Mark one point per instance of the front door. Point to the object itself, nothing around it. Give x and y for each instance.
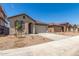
(30, 28)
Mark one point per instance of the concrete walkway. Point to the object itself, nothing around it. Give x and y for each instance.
(53, 36)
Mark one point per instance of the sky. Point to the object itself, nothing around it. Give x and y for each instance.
(45, 12)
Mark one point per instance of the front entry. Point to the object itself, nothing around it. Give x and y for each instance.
(62, 29)
(30, 28)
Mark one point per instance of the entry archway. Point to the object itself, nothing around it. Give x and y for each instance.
(30, 28)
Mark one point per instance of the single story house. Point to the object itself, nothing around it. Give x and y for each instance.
(55, 28)
(67, 27)
(29, 25)
(62, 27)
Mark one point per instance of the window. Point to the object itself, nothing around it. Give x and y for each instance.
(23, 17)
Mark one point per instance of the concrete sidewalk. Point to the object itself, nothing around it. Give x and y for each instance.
(53, 36)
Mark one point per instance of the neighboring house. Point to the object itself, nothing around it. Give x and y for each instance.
(63, 27)
(30, 26)
(67, 27)
(70, 28)
(76, 28)
(55, 28)
(3, 29)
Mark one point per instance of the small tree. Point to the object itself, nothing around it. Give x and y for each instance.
(18, 27)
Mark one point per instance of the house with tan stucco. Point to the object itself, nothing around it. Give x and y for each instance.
(30, 26)
(62, 27)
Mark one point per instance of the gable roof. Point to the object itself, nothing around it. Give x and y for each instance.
(36, 21)
(20, 15)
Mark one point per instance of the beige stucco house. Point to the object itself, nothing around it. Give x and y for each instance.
(30, 26)
(62, 27)
(55, 28)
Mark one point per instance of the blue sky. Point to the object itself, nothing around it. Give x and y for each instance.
(49, 13)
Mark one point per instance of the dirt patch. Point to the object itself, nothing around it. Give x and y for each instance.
(11, 41)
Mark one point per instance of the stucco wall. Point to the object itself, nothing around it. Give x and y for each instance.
(26, 28)
(55, 29)
(2, 22)
(51, 29)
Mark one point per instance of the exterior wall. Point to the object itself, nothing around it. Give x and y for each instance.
(26, 28)
(76, 30)
(2, 22)
(51, 29)
(41, 28)
(71, 29)
(3, 29)
(33, 29)
(55, 29)
(12, 27)
(12, 31)
(65, 28)
(2, 17)
(58, 29)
